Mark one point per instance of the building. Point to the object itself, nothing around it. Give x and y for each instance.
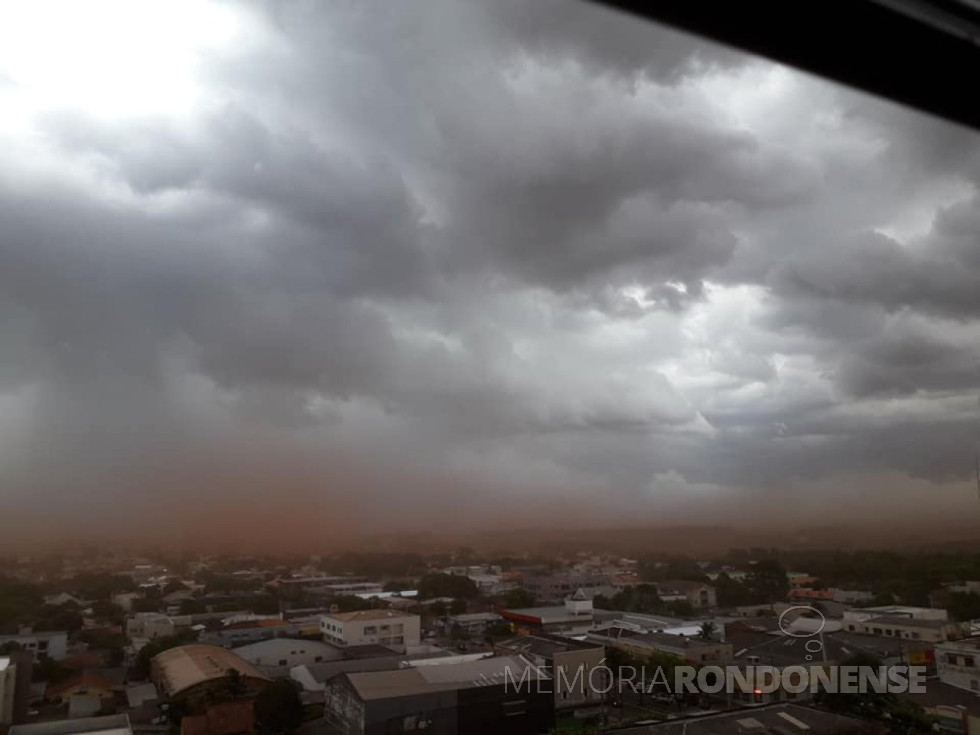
(851, 597)
(958, 663)
(251, 631)
(277, 652)
(954, 710)
(690, 650)
(557, 587)
(778, 718)
(473, 623)
(147, 625)
(569, 663)
(904, 611)
(390, 628)
(53, 645)
(575, 617)
(108, 725)
(698, 594)
(8, 690)
(224, 718)
(901, 626)
(485, 697)
(198, 669)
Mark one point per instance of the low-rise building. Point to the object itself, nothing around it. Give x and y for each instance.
(557, 587)
(148, 625)
(107, 725)
(474, 623)
(278, 652)
(958, 663)
(483, 697)
(389, 628)
(574, 617)
(197, 669)
(913, 629)
(576, 668)
(698, 594)
(52, 645)
(690, 650)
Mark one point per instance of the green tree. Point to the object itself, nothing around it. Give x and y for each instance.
(447, 585)
(708, 630)
(278, 708)
(768, 581)
(517, 598)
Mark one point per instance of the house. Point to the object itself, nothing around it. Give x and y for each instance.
(108, 725)
(199, 669)
(276, 652)
(485, 697)
(574, 617)
(396, 630)
(52, 645)
(698, 594)
(568, 662)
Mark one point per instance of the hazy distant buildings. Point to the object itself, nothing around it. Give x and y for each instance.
(557, 587)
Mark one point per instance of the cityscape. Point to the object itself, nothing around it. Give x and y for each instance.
(489, 367)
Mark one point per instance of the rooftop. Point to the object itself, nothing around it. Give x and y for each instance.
(412, 681)
(780, 718)
(108, 725)
(552, 614)
(358, 615)
(183, 667)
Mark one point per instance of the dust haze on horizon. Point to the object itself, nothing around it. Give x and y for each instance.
(274, 273)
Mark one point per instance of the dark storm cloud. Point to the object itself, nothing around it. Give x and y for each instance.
(531, 246)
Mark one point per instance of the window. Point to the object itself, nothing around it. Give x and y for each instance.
(968, 661)
(318, 659)
(370, 630)
(282, 662)
(515, 708)
(974, 684)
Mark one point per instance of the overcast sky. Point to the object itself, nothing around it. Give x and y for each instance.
(386, 260)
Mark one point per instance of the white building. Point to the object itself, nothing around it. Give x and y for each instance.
(8, 684)
(149, 625)
(905, 611)
(366, 627)
(53, 645)
(277, 652)
(958, 663)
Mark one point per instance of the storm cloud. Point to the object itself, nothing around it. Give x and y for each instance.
(490, 257)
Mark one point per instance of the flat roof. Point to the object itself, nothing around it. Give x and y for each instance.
(553, 614)
(347, 617)
(430, 679)
(107, 725)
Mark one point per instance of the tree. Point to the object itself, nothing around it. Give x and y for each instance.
(457, 607)
(518, 597)
(278, 708)
(708, 629)
(447, 585)
(235, 685)
(768, 581)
